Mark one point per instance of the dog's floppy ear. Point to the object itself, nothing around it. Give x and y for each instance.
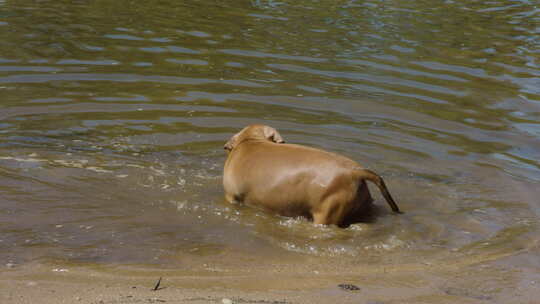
(231, 143)
(273, 135)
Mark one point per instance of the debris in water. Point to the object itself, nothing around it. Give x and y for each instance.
(349, 287)
(157, 285)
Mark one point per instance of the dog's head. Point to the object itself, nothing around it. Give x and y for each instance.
(254, 132)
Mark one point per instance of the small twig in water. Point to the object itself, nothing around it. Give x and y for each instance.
(157, 284)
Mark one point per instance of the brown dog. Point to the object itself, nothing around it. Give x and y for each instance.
(294, 180)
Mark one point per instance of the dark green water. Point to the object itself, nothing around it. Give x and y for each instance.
(113, 115)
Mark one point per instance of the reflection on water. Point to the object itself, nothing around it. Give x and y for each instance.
(113, 116)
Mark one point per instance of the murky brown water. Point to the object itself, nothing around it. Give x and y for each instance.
(113, 115)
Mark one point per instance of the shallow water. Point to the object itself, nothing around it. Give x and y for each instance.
(113, 116)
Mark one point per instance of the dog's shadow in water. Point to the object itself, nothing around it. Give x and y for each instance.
(367, 215)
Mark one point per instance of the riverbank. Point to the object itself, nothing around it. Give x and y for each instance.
(511, 282)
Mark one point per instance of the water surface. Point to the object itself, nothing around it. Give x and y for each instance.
(113, 116)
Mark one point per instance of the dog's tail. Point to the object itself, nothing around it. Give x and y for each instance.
(377, 180)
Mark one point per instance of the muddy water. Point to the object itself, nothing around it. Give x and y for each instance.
(113, 116)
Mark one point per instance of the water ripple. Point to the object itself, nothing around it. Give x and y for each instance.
(36, 78)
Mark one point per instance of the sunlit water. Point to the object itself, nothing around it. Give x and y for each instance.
(113, 116)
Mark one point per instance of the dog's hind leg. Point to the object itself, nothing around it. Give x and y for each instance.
(333, 210)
